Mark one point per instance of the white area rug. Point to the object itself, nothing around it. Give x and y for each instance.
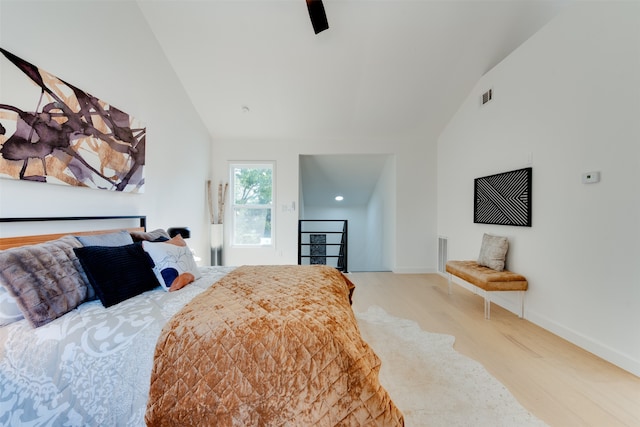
(433, 384)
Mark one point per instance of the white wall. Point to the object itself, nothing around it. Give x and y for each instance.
(569, 101)
(106, 49)
(371, 225)
(357, 244)
(414, 186)
(381, 214)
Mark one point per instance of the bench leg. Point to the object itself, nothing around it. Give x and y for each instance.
(487, 305)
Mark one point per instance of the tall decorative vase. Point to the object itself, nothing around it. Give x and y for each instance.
(217, 243)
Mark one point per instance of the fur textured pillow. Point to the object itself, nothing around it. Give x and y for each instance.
(493, 252)
(45, 279)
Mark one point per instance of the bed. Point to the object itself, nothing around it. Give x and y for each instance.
(241, 346)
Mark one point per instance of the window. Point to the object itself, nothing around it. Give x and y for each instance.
(252, 203)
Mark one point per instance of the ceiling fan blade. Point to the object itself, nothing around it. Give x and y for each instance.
(317, 15)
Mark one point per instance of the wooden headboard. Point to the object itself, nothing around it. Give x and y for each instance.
(12, 242)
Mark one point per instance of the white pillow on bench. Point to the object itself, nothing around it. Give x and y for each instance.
(493, 252)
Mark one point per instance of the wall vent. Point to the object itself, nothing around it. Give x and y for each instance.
(442, 254)
(487, 96)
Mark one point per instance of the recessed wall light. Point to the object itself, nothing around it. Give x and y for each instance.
(339, 198)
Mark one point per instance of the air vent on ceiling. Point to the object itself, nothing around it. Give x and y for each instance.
(487, 96)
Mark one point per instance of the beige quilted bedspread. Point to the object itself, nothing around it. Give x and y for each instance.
(268, 346)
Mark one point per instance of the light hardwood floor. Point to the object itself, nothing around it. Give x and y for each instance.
(555, 380)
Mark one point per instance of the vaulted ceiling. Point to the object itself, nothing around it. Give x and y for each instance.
(384, 68)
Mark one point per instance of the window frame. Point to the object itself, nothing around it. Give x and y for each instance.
(252, 164)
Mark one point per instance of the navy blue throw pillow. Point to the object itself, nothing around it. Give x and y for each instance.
(117, 273)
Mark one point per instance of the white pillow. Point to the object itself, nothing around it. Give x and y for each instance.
(9, 310)
(493, 252)
(171, 261)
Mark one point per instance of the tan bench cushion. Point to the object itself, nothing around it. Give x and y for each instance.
(486, 278)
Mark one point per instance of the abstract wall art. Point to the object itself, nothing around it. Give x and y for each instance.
(318, 248)
(504, 198)
(53, 132)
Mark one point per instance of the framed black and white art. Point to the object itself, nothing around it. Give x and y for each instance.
(504, 198)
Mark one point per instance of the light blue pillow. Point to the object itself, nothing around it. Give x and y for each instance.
(119, 238)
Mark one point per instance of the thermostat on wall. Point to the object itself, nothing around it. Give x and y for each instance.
(590, 177)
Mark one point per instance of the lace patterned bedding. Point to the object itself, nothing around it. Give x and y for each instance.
(91, 366)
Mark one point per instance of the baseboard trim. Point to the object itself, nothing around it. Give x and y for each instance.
(621, 360)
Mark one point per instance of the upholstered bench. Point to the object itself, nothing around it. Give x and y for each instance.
(489, 279)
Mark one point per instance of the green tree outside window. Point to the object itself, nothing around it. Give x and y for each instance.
(252, 204)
